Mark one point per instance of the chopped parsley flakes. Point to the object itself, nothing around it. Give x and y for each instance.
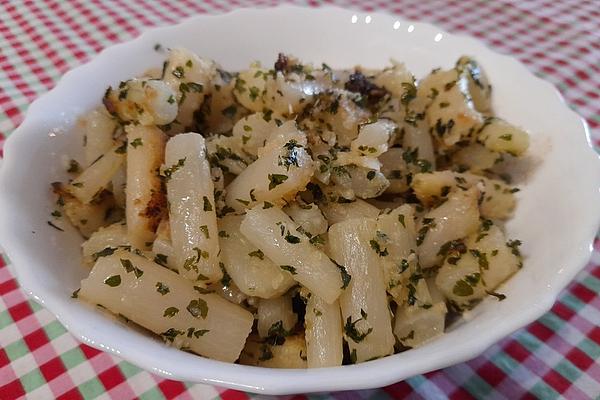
(207, 206)
(136, 143)
(113, 281)
(289, 268)
(168, 173)
(162, 288)
(351, 330)
(276, 180)
(198, 308)
(257, 253)
(170, 312)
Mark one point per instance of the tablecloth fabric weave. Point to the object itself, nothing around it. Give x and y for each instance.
(557, 356)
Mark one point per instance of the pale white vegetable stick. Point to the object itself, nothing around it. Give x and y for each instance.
(456, 218)
(253, 273)
(498, 200)
(500, 136)
(142, 101)
(395, 78)
(192, 212)
(338, 212)
(347, 118)
(398, 237)
(451, 113)
(323, 333)
(88, 218)
(430, 187)
(479, 85)
(373, 138)
(461, 281)
(250, 86)
(488, 262)
(275, 316)
(308, 216)
(97, 176)
(165, 303)
(276, 235)
(288, 95)
(98, 127)
(415, 326)
(502, 262)
(112, 236)
(226, 152)
(364, 305)
(353, 159)
(476, 157)
(418, 138)
(189, 77)
(282, 169)
(144, 199)
(253, 131)
(356, 181)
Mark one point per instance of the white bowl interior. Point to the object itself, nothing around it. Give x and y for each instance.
(557, 215)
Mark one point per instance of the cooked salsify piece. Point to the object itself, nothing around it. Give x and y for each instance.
(276, 316)
(168, 304)
(454, 219)
(192, 210)
(367, 323)
(97, 176)
(189, 77)
(142, 101)
(294, 216)
(323, 333)
(100, 127)
(278, 237)
(253, 272)
(145, 200)
(282, 169)
(396, 234)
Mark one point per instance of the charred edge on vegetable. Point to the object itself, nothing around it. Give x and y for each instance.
(358, 83)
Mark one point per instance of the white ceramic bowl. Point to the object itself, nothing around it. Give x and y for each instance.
(557, 215)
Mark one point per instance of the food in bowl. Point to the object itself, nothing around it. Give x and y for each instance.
(293, 216)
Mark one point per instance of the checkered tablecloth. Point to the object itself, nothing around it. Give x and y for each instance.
(558, 355)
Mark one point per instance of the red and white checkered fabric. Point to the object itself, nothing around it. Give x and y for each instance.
(556, 356)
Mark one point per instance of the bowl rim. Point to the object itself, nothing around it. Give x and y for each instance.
(277, 381)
